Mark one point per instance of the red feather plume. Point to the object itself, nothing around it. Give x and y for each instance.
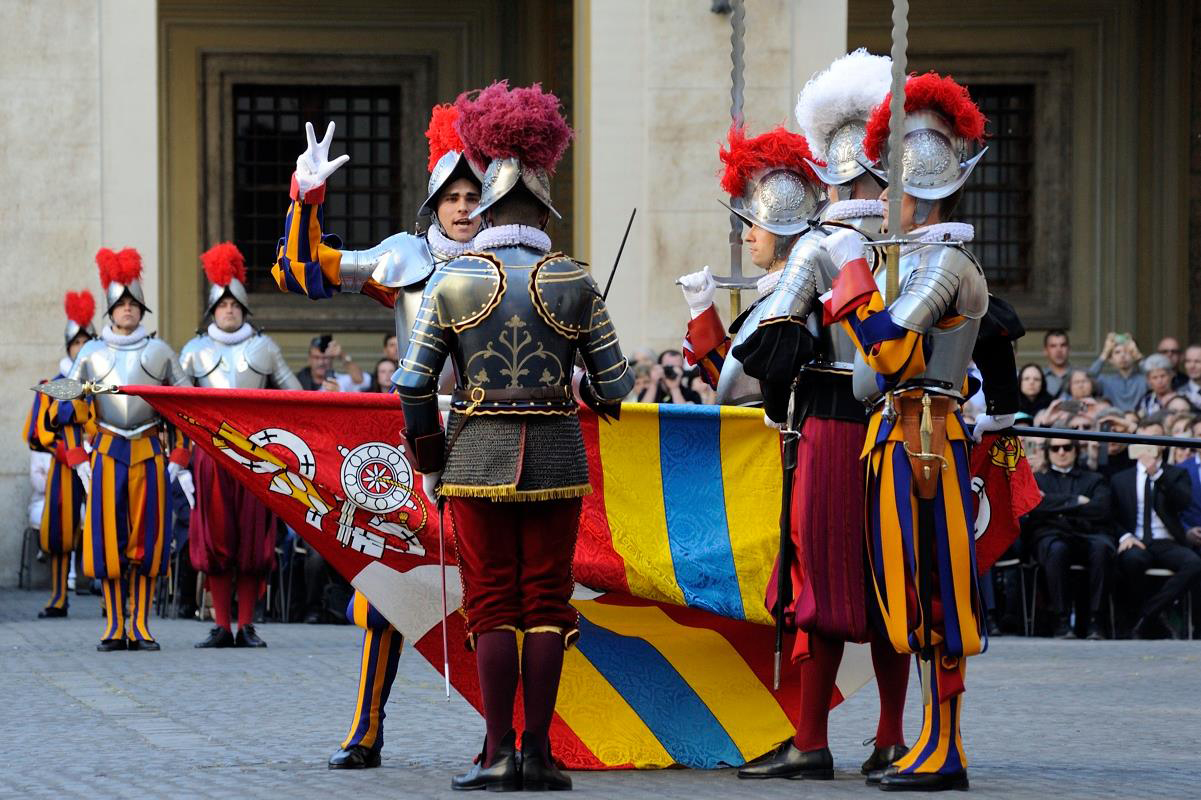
(776, 149)
(224, 262)
(121, 267)
(524, 123)
(929, 91)
(442, 134)
(80, 307)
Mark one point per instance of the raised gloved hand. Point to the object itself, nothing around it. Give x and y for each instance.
(313, 166)
(429, 482)
(843, 247)
(177, 474)
(84, 471)
(987, 423)
(698, 288)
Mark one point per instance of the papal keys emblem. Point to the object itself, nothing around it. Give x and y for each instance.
(376, 477)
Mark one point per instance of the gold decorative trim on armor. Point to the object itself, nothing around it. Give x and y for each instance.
(512, 411)
(508, 492)
(540, 279)
(466, 280)
(518, 344)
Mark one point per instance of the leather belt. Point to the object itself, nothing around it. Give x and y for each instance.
(512, 395)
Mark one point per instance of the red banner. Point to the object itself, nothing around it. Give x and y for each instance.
(1005, 490)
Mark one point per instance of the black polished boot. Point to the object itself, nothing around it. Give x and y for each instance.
(539, 773)
(149, 645)
(218, 637)
(502, 775)
(109, 645)
(354, 757)
(248, 638)
(923, 781)
(880, 760)
(52, 613)
(786, 761)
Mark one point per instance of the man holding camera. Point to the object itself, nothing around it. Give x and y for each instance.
(669, 380)
(1148, 501)
(1128, 386)
(324, 353)
(1068, 527)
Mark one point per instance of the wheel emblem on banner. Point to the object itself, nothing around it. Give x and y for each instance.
(376, 477)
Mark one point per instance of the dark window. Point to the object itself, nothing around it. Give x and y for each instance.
(364, 197)
(998, 197)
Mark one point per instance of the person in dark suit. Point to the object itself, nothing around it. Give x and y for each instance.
(1069, 526)
(1191, 516)
(1148, 501)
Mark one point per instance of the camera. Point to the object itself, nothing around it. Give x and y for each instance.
(670, 372)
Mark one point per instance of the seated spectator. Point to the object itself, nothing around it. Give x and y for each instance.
(1159, 372)
(1191, 516)
(1181, 427)
(390, 348)
(324, 353)
(1112, 458)
(670, 380)
(1123, 387)
(1058, 351)
(1191, 388)
(381, 376)
(1070, 526)
(1148, 501)
(1169, 348)
(1032, 385)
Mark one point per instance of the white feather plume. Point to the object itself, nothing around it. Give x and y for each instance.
(847, 89)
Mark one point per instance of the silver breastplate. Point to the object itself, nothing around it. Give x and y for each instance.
(214, 365)
(148, 362)
(735, 387)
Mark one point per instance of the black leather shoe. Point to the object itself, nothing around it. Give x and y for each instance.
(52, 613)
(1063, 629)
(218, 637)
(248, 638)
(502, 775)
(1094, 633)
(880, 760)
(149, 646)
(541, 774)
(786, 761)
(924, 782)
(109, 645)
(354, 757)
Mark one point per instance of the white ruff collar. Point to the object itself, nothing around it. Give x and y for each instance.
(853, 209)
(509, 235)
(120, 340)
(443, 247)
(940, 232)
(767, 282)
(64, 365)
(240, 335)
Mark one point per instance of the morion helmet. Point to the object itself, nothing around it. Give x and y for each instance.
(833, 110)
(447, 162)
(121, 274)
(942, 126)
(80, 307)
(226, 270)
(770, 181)
(520, 134)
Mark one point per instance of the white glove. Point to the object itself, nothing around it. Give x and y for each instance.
(84, 471)
(177, 474)
(699, 288)
(313, 166)
(771, 423)
(843, 247)
(986, 423)
(429, 482)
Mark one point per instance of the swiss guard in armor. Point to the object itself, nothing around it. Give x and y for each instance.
(232, 536)
(792, 351)
(58, 535)
(134, 457)
(776, 193)
(513, 317)
(394, 273)
(911, 368)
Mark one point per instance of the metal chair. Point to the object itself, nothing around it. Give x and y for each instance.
(29, 551)
(1011, 563)
(1187, 597)
(1077, 568)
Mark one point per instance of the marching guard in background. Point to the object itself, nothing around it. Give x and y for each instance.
(399, 267)
(792, 352)
(232, 536)
(128, 472)
(912, 369)
(513, 316)
(58, 534)
(776, 192)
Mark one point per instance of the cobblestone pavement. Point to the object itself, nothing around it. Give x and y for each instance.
(1042, 719)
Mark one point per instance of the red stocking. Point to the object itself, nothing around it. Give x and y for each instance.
(817, 688)
(222, 589)
(248, 595)
(892, 679)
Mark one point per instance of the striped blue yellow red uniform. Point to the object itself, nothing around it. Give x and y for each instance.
(895, 536)
(706, 345)
(381, 655)
(59, 531)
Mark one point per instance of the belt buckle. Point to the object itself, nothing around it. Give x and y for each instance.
(476, 396)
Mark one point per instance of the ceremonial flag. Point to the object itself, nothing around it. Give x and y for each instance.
(1004, 489)
(677, 540)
